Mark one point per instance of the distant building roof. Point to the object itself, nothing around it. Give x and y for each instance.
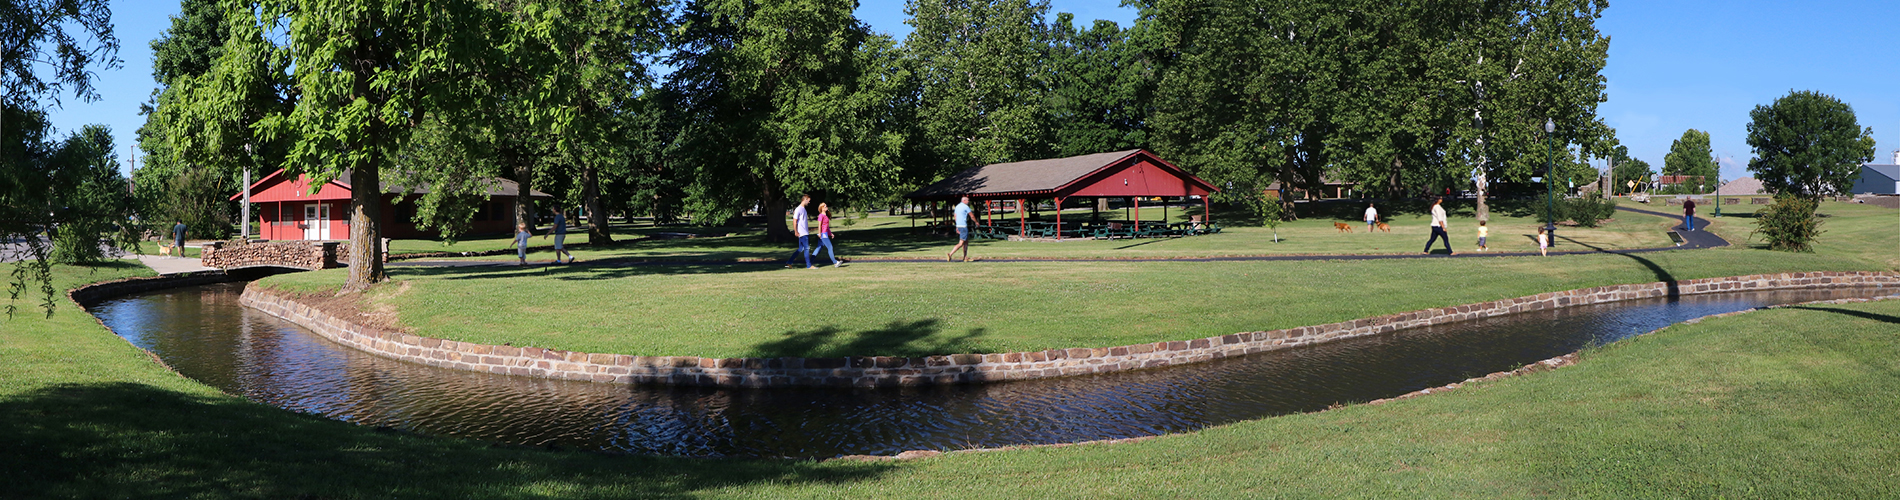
(1891, 171)
(500, 187)
(1141, 174)
(1742, 186)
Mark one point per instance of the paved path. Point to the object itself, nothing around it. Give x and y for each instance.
(172, 265)
(1691, 240)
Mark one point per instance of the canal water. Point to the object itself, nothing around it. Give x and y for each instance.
(204, 334)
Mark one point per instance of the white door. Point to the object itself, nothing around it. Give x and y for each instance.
(323, 221)
(310, 223)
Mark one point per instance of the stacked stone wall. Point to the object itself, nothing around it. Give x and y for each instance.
(298, 254)
(882, 371)
(89, 295)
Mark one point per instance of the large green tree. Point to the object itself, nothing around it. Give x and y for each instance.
(367, 74)
(49, 48)
(783, 98)
(1692, 156)
(981, 69)
(1099, 85)
(1808, 144)
(1395, 96)
(219, 78)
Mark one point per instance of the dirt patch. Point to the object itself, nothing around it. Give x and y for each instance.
(354, 305)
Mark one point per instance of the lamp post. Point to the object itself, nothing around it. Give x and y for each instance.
(1550, 203)
(244, 226)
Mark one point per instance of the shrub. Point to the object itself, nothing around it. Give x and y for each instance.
(1789, 224)
(77, 243)
(1584, 210)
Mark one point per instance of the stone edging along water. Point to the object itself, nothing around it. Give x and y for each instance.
(883, 371)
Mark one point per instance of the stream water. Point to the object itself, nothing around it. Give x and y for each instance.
(204, 334)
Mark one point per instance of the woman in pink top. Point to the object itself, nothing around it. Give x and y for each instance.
(824, 236)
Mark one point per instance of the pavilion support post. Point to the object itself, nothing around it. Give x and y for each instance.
(1137, 214)
(1058, 219)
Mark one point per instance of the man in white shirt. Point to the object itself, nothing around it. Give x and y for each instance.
(801, 225)
(1372, 218)
(963, 217)
(1438, 227)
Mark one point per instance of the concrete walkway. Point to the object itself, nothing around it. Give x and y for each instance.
(1692, 240)
(172, 265)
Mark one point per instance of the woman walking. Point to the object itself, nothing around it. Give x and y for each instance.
(824, 235)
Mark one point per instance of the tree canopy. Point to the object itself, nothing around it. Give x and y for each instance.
(1692, 156)
(1808, 144)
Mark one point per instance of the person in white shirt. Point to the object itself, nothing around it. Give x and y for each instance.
(1438, 227)
(964, 218)
(801, 225)
(1372, 218)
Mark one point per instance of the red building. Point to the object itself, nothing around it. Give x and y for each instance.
(1134, 174)
(287, 209)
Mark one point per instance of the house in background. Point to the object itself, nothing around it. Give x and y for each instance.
(1879, 179)
(287, 209)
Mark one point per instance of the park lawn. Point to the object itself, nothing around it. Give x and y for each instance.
(913, 309)
(1785, 403)
(1314, 234)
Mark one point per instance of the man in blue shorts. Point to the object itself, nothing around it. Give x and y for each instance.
(560, 236)
(963, 217)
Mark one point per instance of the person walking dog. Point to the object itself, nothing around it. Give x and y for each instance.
(178, 238)
(1372, 218)
(1438, 227)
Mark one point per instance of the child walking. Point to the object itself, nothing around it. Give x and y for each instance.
(1482, 233)
(521, 244)
(824, 236)
(1543, 242)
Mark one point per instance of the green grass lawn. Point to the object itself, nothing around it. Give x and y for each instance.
(911, 309)
(1786, 403)
(883, 236)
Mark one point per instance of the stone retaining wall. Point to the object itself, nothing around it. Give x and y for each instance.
(881, 371)
(311, 255)
(87, 296)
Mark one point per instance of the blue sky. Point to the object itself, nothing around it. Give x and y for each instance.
(1674, 65)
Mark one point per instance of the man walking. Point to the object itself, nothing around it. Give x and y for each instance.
(963, 217)
(1688, 213)
(1372, 218)
(178, 238)
(801, 223)
(560, 236)
(1438, 227)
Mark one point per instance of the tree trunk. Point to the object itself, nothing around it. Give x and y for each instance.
(773, 207)
(366, 233)
(523, 176)
(597, 230)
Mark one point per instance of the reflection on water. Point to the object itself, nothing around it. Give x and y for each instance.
(205, 334)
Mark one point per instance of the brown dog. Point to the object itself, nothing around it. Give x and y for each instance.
(1386, 228)
(1342, 227)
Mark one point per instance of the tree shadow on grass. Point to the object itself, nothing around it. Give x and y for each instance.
(922, 337)
(1663, 275)
(1858, 314)
(124, 440)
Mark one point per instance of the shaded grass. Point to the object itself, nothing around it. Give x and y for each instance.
(911, 309)
(1787, 403)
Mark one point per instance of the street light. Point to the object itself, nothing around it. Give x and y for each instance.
(1550, 203)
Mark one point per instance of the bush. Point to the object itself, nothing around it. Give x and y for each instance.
(1585, 210)
(1789, 224)
(77, 243)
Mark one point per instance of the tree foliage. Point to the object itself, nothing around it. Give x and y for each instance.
(783, 98)
(1691, 156)
(981, 75)
(1808, 144)
(1389, 95)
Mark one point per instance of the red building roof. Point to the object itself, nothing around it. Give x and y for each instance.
(1136, 172)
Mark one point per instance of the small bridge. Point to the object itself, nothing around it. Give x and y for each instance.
(305, 255)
